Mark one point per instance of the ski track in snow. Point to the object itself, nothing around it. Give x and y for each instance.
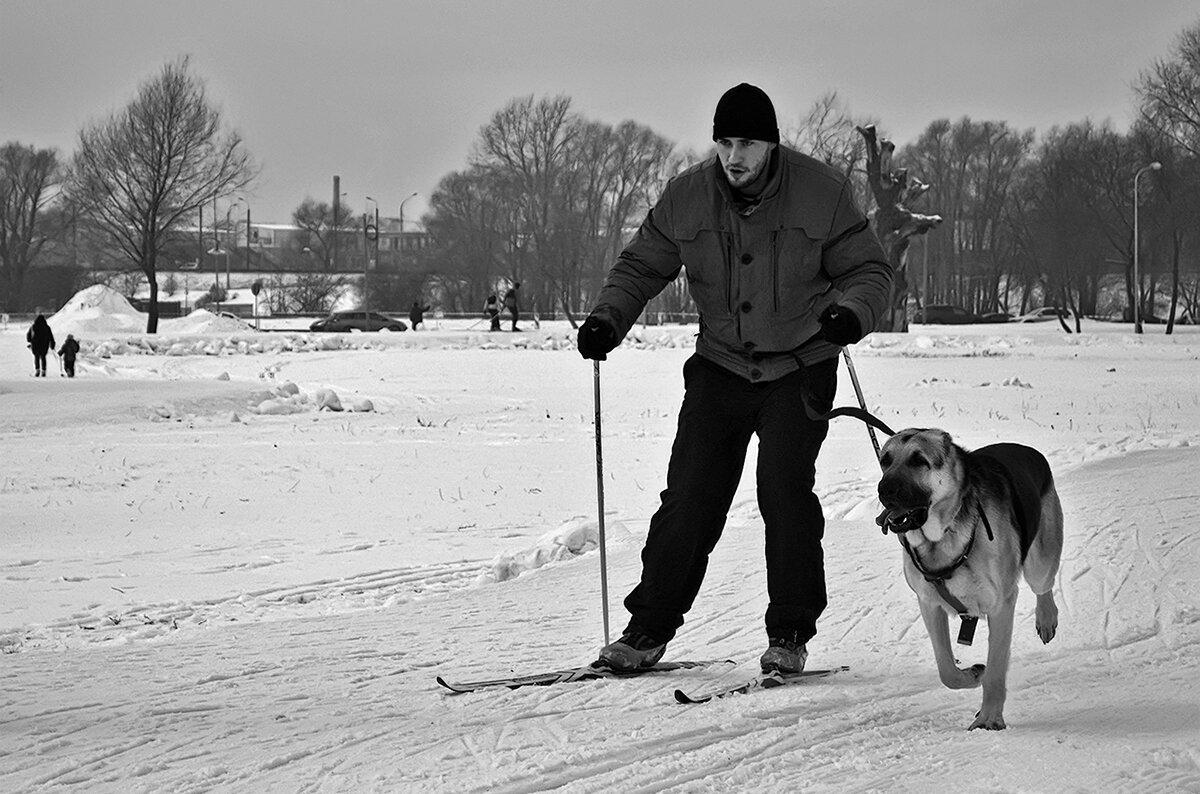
(325, 568)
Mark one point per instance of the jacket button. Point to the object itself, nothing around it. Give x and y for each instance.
(755, 374)
(745, 307)
(747, 258)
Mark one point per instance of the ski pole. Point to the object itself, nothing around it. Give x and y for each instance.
(600, 498)
(858, 392)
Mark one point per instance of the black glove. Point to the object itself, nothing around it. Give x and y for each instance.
(840, 326)
(596, 338)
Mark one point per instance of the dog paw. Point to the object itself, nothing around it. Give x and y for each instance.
(990, 723)
(1045, 617)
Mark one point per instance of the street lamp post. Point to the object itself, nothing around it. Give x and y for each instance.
(1137, 279)
(247, 238)
(400, 243)
(230, 224)
(370, 235)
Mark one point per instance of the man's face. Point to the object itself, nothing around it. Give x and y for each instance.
(743, 159)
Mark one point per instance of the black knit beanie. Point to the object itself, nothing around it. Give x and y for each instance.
(745, 111)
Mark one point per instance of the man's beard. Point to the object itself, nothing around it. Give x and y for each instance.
(741, 177)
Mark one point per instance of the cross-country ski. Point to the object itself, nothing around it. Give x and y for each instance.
(765, 680)
(589, 672)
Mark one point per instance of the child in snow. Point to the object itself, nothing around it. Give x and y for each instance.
(68, 352)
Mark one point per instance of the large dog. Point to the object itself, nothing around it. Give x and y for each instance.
(970, 524)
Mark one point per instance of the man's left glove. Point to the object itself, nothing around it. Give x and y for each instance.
(597, 338)
(840, 326)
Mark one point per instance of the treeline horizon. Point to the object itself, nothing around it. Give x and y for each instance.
(548, 198)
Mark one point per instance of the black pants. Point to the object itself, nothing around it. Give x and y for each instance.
(720, 412)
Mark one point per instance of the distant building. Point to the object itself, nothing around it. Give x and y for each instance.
(283, 248)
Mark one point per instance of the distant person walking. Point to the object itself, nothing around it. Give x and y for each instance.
(491, 310)
(68, 352)
(416, 315)
(512, 304)
(41, 341)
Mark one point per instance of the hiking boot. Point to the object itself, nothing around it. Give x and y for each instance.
(633, 651)
(784, 655)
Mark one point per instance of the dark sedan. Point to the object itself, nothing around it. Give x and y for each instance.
(358, 321)
(944, 314)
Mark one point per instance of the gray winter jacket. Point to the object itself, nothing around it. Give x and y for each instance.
(759, 278)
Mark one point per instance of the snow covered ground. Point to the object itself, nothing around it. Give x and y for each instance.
(211, 581)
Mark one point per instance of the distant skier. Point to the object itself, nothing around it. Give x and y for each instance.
(512, 304)
(41, 341)
(491, 310)
(68, 352)
(416, 314)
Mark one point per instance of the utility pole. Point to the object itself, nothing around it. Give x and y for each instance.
(400, 246)
(337, 211)
(247, 237)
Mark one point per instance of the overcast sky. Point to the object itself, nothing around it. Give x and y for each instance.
(391, 95)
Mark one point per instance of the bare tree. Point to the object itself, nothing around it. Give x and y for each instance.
(318, 227)
(26, 178)
(1170, 92)
(827, 132)
(306, 292)
(529, 143)
(895, 224)
(467, 213)
(148, 169)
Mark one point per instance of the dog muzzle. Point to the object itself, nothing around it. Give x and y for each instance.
(901, 520)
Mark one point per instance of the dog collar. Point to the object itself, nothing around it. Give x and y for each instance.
(968, 622)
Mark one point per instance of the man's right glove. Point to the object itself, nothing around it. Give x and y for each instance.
(840, 326)
(597, 338)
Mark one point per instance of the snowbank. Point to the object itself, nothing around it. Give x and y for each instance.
(97, 310)
(573, 539)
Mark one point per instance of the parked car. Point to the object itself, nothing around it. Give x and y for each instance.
(995, 317)
(231, 316)
(944, 314)
(358, 321)
(1042, 315)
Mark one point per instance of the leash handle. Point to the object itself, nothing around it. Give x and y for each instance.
(600, 499)
(861, 402)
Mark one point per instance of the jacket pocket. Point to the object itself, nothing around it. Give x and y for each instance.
(705, 252)
(797, 280)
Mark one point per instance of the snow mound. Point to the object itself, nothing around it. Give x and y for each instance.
(97, 310)
(576, 537)
(202, 321)
(288, 398)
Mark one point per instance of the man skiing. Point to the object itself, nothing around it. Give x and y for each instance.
(512, 304)
(784, 270)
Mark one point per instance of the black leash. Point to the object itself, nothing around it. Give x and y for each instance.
(861, 414)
